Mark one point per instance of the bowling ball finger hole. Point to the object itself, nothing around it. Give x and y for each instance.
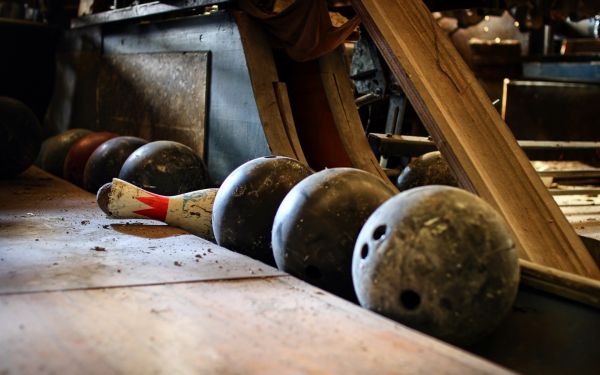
(312, 272)
(410, 299)
(364, 251)
(379, 232)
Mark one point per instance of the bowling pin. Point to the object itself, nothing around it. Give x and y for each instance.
(190, 211)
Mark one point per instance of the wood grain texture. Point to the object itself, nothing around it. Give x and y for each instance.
(273, 111)
(54, 237)
(285, 108)
(268, 326)
(470, 133)
(336, 82)
(559, 283)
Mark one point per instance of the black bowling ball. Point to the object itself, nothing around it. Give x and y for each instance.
(438, 259)
(247, 201)
(20, 137)
(428, 169)
(317, 223)
(106, 161)
(166, 168)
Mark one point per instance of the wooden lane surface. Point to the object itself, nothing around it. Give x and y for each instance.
(50, 228)
(470, 133)
(254, 326)
(221, 315)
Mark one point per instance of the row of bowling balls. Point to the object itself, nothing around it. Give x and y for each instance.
(436, 258)
(91, 159)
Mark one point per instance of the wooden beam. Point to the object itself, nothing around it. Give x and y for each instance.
(336, 82)
(407, 145)
(470, 133)
(271, 100)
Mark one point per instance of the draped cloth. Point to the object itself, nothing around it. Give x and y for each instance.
(303, 29)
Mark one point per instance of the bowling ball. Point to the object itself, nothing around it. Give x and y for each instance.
(438, 259)
(247, 201)
(166, 168)
(55, 149)
(106, 161)
(317, 223)
(428, 169)
(20, 137)
(79, 154)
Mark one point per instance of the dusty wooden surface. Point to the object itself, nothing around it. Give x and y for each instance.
(54, 237)
(470, 133)
(66, 308)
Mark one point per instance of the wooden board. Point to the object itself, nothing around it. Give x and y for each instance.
(155, 96)
(336, 82)
(50, 228)
(270, 326)
(470, 133)
(271, 95)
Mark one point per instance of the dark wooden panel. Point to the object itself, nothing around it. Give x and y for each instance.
(547, 110)
(155, 96)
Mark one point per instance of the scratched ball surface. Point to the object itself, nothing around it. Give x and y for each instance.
(428, 169)
(438, 259)
(106, 161)
(79, 154)
(55, 149)
(247, 201)
(20, 137)
(318, 221)
(166, 168)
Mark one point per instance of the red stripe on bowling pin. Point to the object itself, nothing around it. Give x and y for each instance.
(159, 205)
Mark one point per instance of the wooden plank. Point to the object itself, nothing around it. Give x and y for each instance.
(155, 96)
(256, 326)
(470, 133)
(564, 284)
(54, 237)
(336, 82)
(283, 101)
(272, 109)
(401, 145)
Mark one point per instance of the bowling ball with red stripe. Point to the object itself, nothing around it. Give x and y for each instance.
(55, 149)
(106, 161)
(79, 154)
(166, 168)
(247, 201)
(20, 137)
(318, 222)
(438, 259)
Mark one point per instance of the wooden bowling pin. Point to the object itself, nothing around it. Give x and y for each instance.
(190, 211)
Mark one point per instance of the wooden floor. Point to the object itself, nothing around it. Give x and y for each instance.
(80, 293)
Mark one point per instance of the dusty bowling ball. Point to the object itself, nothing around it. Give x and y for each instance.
(166, 168)
(428, 169)
(55, 149)
(438, 259)
(20, 137)
(247, 201)
(106, 161)
(79, 154)
(317, 223)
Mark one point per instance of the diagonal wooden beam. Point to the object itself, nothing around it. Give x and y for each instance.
(470, 133)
